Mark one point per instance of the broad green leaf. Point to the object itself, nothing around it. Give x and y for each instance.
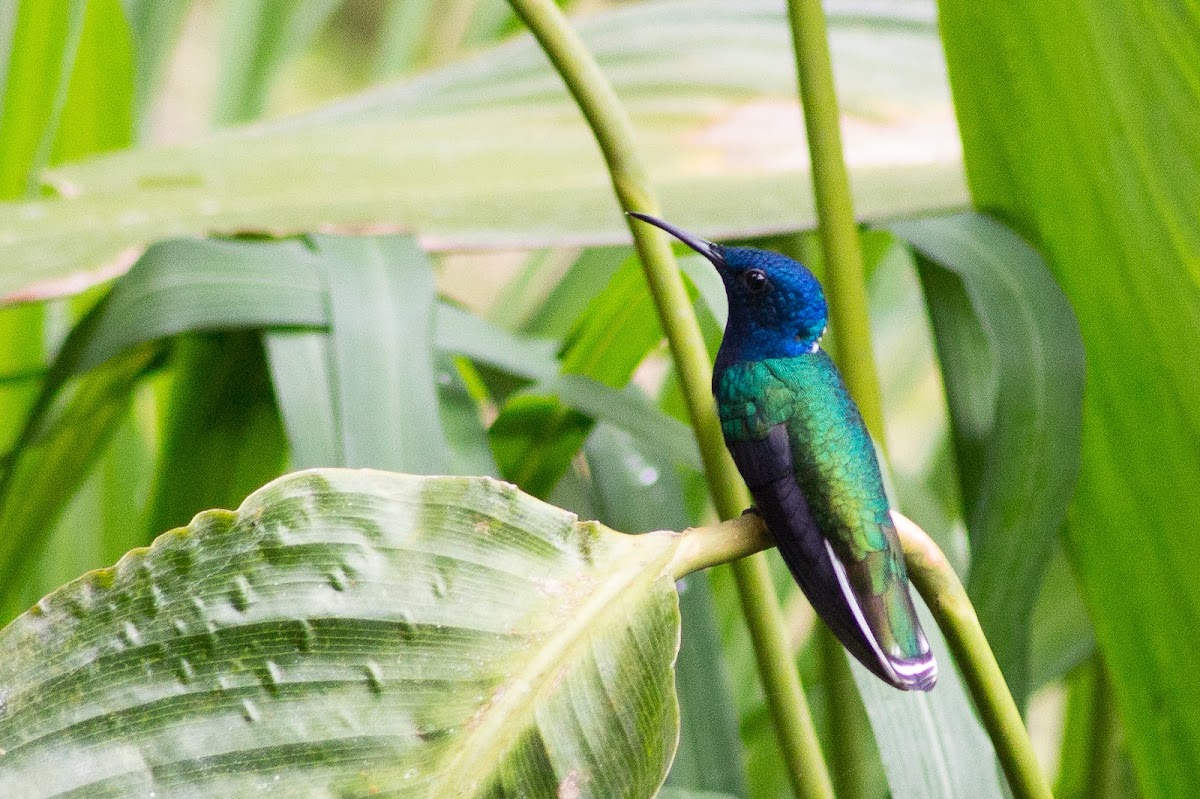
(257, 39)
(1013, 364)
(353, 634)
(449, 155)
(1092, 161)
(222, 437)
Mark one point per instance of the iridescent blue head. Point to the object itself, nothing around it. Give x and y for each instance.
(776, 306)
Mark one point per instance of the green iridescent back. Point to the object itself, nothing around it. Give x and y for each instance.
(836, 468)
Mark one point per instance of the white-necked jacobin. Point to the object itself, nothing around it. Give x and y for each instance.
(800, 443)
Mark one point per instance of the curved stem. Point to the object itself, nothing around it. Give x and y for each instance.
(760, 606)
(935, 578)
(938, 583)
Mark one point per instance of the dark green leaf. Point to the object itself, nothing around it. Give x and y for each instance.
(221, 432)
(1013, 365)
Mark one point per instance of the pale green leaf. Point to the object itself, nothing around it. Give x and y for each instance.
(257, 40)
(353, 634)
(381, 315)
(449, 155)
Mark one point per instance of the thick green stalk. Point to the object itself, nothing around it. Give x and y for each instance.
(1104, 762)
(938, 583)
(846, 286)
(848, 730)
(846, 289)
(614, 133)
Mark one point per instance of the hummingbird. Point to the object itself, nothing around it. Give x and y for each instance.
(800, 444)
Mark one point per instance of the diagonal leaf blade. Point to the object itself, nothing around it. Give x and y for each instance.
(1082, 142)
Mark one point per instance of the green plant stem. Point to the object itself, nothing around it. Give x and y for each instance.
(847, 289)
(1103, 772)
(937, 582)
(848, 316)
(848, 731)
(614, 133)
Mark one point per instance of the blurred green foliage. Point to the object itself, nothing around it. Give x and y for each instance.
(216, 364)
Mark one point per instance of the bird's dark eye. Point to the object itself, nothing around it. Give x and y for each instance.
(755, 281)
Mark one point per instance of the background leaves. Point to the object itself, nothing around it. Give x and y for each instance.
(1099, 182)
(1090, 162)
(448, 154)
(1012, 360)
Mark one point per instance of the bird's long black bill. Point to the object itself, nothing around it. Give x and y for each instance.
(706, 248)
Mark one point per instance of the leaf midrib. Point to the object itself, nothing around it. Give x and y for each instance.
(482, 751)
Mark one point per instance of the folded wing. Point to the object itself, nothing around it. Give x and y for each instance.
(867, 618)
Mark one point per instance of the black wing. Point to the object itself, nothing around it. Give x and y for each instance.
(767, 467)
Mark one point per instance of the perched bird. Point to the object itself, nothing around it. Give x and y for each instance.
(802, 448)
